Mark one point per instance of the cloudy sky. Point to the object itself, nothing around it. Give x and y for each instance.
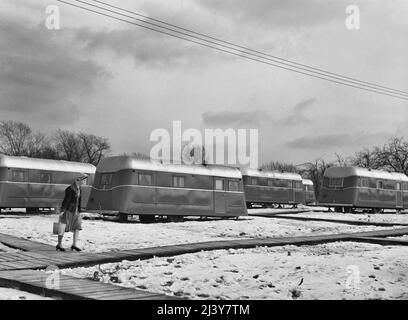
(120, 81)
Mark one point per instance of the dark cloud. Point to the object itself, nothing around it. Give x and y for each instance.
(43, 73)
(336, 140)
(235, 119)
(279, 13)
(298, 114)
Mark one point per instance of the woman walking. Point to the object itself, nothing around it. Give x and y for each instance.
(71, 217)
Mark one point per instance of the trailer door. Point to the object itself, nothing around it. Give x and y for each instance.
(219, 196)
(398, 195)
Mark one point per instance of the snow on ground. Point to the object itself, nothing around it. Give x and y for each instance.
(368, 217)
(100, 235)
(341, 270)
(13, 294)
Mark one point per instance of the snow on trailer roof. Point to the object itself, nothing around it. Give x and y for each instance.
(341, 172)
(46, 164)
(113, 164)
(271, 174)
(307, 182)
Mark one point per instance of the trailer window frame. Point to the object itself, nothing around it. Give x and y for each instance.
(179, 181)
(235, 183)
(141, 179)
(380, 184)
(45, 173)
(106, 179)
(253, 181)
(336, 183)
(365, 183)
(14, 172)
(217, 186)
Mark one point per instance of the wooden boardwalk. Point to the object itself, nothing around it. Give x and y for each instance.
(56, 285)
(41, 259)
(20, 269)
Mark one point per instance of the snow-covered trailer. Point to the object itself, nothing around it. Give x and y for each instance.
(131, 186)
(309, 192)
(348, 188)
(33, 183)
(269, 187)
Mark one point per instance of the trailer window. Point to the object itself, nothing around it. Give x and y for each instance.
(398, 186)
(298, 184)
(232, 185)
(178, 182)
(336, 183)
(380, 184)
(18, 175)
(254, 181)
(270, 183)
(45, 177)
(405, 186)
(364, 183)
(106, 179)
(145, 179)
(219, 184)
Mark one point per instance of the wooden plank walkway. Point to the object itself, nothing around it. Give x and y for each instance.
(42, 259)
(351, 222)
(24, 244)
(56, 285)
(17, 268)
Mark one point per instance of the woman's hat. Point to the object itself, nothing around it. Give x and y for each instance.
(82, 176)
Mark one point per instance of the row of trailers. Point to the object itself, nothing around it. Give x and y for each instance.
(131, 186)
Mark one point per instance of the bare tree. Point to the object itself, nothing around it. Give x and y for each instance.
(68, 146)
(393, 155)
(279, 166)
(94, 147)
(366, 158)
(15, 138)
(315, 171)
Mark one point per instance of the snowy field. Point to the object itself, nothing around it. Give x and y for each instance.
(99, 235)
(341, 270)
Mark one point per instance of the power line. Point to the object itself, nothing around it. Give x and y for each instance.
(339, 77)
(245, 48)
(239, 54)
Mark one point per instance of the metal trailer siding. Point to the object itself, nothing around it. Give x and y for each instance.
(265, 193)
(31, 192)
(369, 196)
(124, 194)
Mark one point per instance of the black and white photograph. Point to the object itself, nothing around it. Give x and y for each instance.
(215, 152)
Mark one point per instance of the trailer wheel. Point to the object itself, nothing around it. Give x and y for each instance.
(398, 211)
(123, 217)
(347, 210)
(338, 209)
(32, 210)
(175, 218)
(147, 218)
(376, 210)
